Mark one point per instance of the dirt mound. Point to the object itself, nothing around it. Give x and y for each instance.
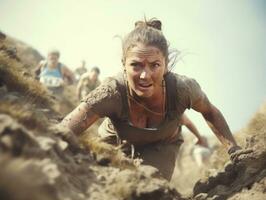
(17, 64)
(48, 164)
(245, 178)
(20, 51)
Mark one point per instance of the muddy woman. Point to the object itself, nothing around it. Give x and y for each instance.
(143, 104)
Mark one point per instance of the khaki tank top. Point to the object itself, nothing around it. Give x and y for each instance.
(110, 100)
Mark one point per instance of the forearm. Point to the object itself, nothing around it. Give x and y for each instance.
(194, 130)
(79, 119)
(68, 75)
(190, 125)
(220, 127)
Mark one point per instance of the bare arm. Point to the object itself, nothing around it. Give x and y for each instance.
(79, 87)
(191, 126)
(38, 69)
(80, 119)
(68, 75)
(215, 120)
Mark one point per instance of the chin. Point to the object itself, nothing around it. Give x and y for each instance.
(143, 94)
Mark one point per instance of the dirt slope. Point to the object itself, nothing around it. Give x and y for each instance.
(246, 178)
(40, 160)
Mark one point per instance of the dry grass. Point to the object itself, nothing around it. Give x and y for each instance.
(14, 80)
(29, 94)
(107, 151)
(257, 124)
(24, 114)
(17, 76)
(28, 55)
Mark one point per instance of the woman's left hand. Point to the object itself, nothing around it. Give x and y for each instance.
(237, 154)
(202, 141)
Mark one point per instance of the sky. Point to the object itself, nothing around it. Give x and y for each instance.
(222, 43)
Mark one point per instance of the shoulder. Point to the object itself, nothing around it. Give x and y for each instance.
(188, 89)
(108, 89)
(105, 99)
(111, 82)
(186, 83)
(180, 82)
(182, 79)
(62, 66)
(115, 81)
(84, 76)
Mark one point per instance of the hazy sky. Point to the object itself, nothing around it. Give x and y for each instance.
(223, 42)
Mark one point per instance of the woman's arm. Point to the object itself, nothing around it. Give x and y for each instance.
(80, 119)
(191, 126)
(216, 121)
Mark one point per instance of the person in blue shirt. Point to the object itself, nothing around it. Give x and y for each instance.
(53, 74)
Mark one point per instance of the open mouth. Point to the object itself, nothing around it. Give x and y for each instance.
(145, 85)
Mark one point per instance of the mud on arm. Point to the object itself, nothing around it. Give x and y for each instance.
(80, 119)
(216, 121)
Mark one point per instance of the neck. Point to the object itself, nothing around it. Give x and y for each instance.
(156, 99)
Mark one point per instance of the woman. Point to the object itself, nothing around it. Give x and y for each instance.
(145, 103)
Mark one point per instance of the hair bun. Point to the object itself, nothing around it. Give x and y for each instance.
(154, 23)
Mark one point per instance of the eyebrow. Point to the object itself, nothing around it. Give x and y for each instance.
(138, 61)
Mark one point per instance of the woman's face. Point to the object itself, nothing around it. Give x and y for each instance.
(145, 67)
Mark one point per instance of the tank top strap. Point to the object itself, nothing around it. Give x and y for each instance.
(122, 87)
(171, 94)
(59, 67)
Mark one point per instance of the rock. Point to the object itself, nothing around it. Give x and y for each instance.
(45, 143)
(201, 196)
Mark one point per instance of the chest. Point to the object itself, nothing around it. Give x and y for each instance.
(143, 116)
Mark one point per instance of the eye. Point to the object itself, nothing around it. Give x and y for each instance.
(136, 65)
(155, 65)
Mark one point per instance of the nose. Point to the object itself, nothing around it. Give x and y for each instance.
(143, 74)
(146, 73)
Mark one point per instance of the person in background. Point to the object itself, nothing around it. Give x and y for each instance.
(80, 70)
(88, 82)
(53, 74)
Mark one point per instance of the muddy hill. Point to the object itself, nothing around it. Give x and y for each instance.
(40, 160)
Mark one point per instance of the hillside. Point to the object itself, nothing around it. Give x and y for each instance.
(40, 160)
